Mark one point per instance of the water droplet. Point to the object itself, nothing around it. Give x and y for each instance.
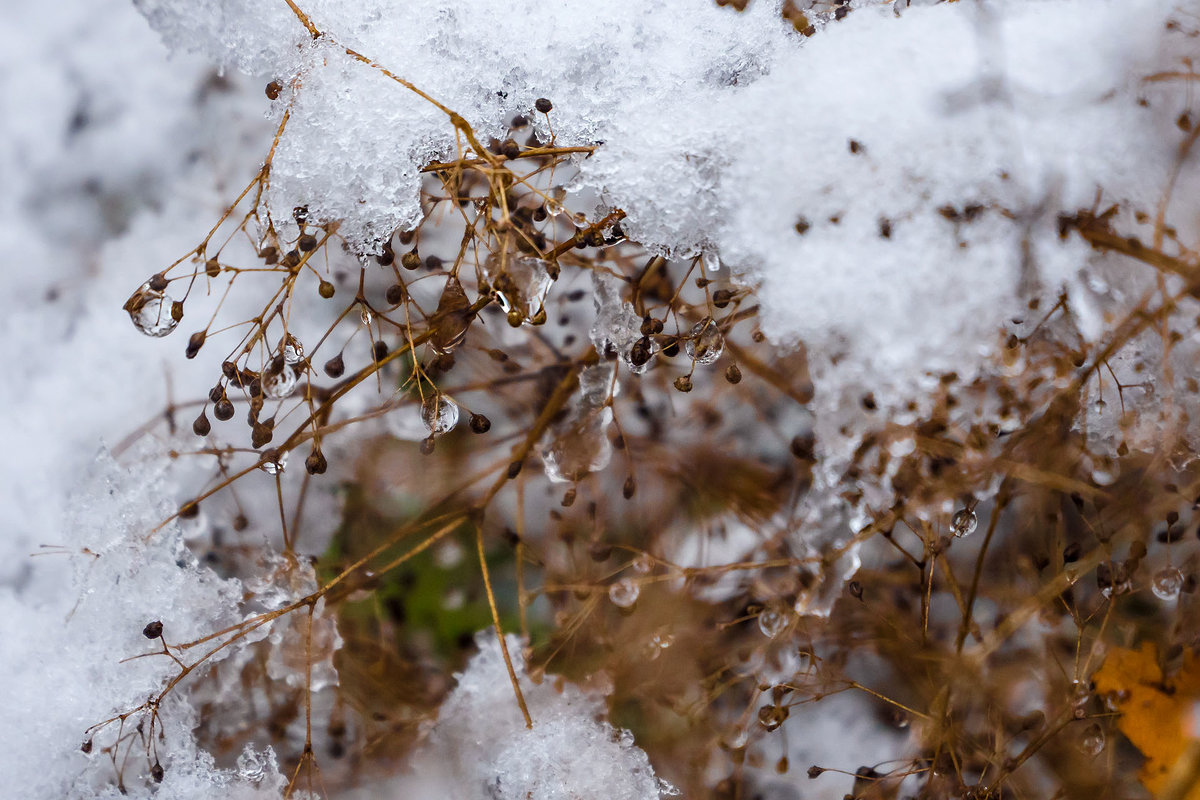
(1092, 741)
(366, 316)
(274, 462)
(579, 446)
(706, 343)
(554, 200)
(278, 385)
(293, 350)
(250, 766)
(963, 522)
(772, 621)
(1080, 694)
(1167, 583)
(151, 311)
(624, 592)
(439, 413)
(520, 287)
(667, 789)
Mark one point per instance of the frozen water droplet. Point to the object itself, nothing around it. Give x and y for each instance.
(439, 413)
(554, 200)
(579, 446)
(250, 766)
(772, 621)
(667, 789)
(1167, 583)
(1092, 741)
(293, 350)
(366, 316)
(706, 343)
(624, 592)
(275, 463)
(151, 312)
(963, 522)
(278, 385)
(1080, 694)
(521, 286)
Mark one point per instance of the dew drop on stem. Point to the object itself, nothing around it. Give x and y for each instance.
(624, 592)
(963, 522)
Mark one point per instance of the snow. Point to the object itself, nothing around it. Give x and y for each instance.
(891, 185)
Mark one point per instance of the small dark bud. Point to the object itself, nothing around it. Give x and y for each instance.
(212, 268)
(514, 469)
(335, 366)
(316, 464)
(543, 105)
(216, 393)
(177, 311)
(240, 523)
(629, 488)
(261, 434)
(639, 354)
(86, 747)
(229, 370)
(600, 551)
(684, 383)
(803, 446)
(1072, 552)
(325, 289)
(510, 149)
(189, 510)
(273, 89)
(255, 387)
(291, 259)
(856, 589)
(153, 630)
(195, 342)
(307, 242)
(394, 294)
(733, 373)
(410, 260)
(815, 772)
(568, 498)
(158, 282)
(671, 348)
(388, 255)
(379, 351)
(201, 426)
(223, 410)
(480, 423)
(269, 255)
(156, 772)
(427, 445)
(722, 297)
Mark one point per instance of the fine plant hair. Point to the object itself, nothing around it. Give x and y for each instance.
(588, 403)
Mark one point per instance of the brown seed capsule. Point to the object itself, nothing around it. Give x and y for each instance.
(229, 370)
(335, 366)
(212, 268)
(410, 260)
(316, 464)
(157, 772)
(733, 373)
(216, 392)
(153, 630)
(427, 445)
(240, 523)
(543, 105)
(394, 294)
(510, 149)
(189, 510)
(158, 283)
(514, 469)
(223, 410)
(568, 498)
(195, 342)
(671, 348)
(815, 772)
(307, 242)
(684, 383)
(599, 551)
(379, 351)
(325, 289)
(855, 588)
(269, 255)
(291, 259)
(629, 488)
(722, 297)
(201, 426)
(273, 90)
(639, 354)
(86, 747)
(386, 257)
(177, 311)
(480, 423)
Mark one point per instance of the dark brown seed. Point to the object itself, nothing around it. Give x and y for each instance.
(212, 268)
(326, 289)
(269, 255)
(189, 510)
(684, 383)
(379, 351)
(722, 297)
(273, 89)
(600, 551)
(291, 259)
(201, 426)
(195, 342)
(177, 311)
(335, 366)
(223, 410)
(307, 242)
(387, 256)
(671, 348)
(629, 488)
(240, 523)
(261, 434)
(733, 373)
(543, 105)
(427, 445)
(156, 772)
(86, 746)
(855, 588)
(153, 630)
(316, 464)
(158, 282)
(410, 260)
(480, 423)
(394, 294)
(514, 469)
(216, 393)
(815, 772)
(568, 498)
(1072, 552)
(229, 370)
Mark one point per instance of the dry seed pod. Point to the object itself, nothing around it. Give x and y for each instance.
(335, 366)
(480, 423)
(201, 426)
(153, 630)
(195, 342)
(326, 289)
(316, 464)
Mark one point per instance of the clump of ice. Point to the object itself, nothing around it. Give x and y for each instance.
(480, 747)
